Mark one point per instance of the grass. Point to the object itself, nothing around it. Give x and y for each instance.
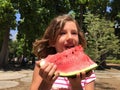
(113, 61)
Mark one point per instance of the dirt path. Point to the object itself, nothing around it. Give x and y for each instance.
(108, 79)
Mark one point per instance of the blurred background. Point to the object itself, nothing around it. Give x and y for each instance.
(24, 21)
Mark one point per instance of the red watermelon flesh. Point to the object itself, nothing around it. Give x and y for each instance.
(72, 61)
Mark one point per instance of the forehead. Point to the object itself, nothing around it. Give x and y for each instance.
(70, 25)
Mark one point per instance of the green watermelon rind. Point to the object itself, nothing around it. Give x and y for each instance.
(91, 67)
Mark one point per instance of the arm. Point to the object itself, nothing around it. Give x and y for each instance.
(36, 79)
(43, 77)
(90, 86)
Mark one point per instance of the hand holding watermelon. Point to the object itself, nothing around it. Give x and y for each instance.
(48, 72)
(71, 62)
(75, 82)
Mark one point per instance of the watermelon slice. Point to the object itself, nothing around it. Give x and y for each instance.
(72, 61)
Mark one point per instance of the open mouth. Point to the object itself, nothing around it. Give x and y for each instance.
(68, 47)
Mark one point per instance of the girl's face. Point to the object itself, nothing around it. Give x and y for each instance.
(68, 37)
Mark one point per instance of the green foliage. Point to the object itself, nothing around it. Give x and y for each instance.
(115, 5)
(82, 1)
(7, 14)
(16, 47)
(7, 21)
(102, 4)
(35, 16)
(20, 47)
(13, 45)
(118, 15)
(113, 61)
(72, 13)
(100, 36)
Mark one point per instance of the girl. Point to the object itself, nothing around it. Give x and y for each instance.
(62, 33)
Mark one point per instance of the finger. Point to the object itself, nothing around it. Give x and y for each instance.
(42, 69)
(88, 73)
(52, 72)
(56, 75)
(82, 75)
(37, 63)
(48, 70)
(78, 75)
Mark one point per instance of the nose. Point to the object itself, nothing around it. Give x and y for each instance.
(69, 37)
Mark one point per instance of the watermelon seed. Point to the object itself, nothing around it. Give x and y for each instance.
(72, 52)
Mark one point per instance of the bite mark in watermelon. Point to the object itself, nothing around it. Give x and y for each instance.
(72, 61)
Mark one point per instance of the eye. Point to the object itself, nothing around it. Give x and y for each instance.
(74, 33)
(62, 33)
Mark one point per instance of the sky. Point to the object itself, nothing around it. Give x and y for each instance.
(14, 32)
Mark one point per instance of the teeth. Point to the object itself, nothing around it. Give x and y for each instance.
(69, 47)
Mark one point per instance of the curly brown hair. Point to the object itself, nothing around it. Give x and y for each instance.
(43, 47)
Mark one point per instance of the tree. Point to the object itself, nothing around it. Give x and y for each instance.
(7, 21)
(101, 38)
(13, 45)
(98, 7)
(117, 25)
(82, 4)
(115, 9)
(35, 16)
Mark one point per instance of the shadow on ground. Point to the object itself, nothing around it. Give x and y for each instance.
(115, 66)
(17, 67)
(109, 66)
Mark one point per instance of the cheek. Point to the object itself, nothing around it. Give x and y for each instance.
(76, 39)
(59, 43)
(60, 40)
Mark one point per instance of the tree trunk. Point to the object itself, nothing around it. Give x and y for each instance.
(81, 15)
(4, 49)
(102, 63)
